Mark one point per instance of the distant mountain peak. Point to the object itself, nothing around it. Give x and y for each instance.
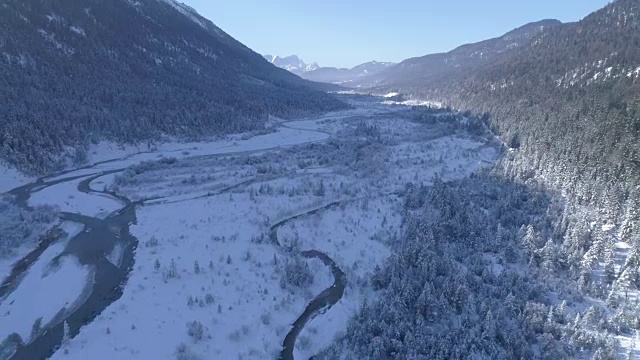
(419, 70)
(291, 63)
(334, 75)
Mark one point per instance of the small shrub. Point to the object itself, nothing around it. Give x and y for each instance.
(184, 353)
(208, 299)
(303, 343)
(235, 336)
(296, 274)
(152, 242)
(266, 318)
(195, 330)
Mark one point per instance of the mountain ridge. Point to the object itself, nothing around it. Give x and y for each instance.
(128, 72)
(345, 76)
(464, 57)
(565, 104)
(291, 63)
(326, 74)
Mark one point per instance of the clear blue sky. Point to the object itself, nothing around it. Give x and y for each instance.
(345, 33)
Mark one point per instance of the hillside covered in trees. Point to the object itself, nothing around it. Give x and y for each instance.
(127, 71)
(567, 104)
(568, 101)
(420, 71)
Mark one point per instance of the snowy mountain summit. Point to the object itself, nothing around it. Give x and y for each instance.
(329, 75)
(291, 63)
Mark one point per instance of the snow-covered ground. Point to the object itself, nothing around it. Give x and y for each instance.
(66, 196)
(6, 264)
(11, 178)
(48, 288)
(356, 236)
(205, 252)
(236, 292)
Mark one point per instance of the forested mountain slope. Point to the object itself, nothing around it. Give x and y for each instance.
(422, 70)
(75, 71)
(549, 266)
(569, 101)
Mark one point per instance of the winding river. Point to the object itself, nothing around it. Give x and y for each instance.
(326, 299)
(92, 247)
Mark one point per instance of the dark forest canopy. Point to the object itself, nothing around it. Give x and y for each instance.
(566, 103)
(76, 71)
(568, 98)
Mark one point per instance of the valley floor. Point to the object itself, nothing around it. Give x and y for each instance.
(213, 277)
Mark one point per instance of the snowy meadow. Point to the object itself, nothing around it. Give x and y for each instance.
(221, 228)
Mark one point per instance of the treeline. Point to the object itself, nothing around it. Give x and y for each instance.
(75, 72)
(579, 137)
(568, 107)
(21, 227)
(461, 283)
(583, 138)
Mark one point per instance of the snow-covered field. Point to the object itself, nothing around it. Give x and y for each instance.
(50, 286)
(209, 281)
(68, 199)
(10, 178)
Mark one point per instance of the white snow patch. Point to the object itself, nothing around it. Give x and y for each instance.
(433, 104)
(46, 290)
(60, 46)
(55, 18)
(607, 227)
(11, 178)
(116, 255)
(78, 30)
(69, 199)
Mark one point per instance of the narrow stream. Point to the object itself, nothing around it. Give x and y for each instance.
(326, 299)
(93, 246)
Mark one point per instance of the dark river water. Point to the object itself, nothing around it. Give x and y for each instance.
(94, 244)
(326, 299)
(91, 247)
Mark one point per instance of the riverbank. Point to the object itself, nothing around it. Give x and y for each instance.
(208, 278)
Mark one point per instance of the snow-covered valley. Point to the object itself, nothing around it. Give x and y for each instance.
(220, 229)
